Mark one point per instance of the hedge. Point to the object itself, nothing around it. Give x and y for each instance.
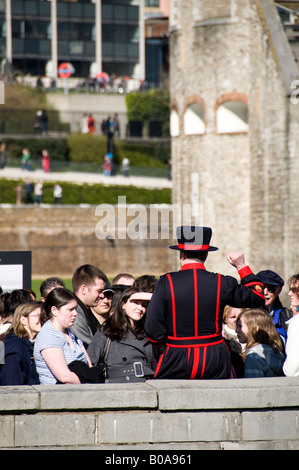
(89, 194)
(91, 149)
(58, 148)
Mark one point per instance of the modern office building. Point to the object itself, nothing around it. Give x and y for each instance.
(93, 35)
(156, 16)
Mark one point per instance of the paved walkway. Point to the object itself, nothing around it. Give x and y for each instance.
(89, 178)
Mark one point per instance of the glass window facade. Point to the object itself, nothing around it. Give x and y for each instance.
(151, 3)
(76, 41)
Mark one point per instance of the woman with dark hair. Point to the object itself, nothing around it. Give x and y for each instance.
(56, 347)
(19, 367)
(129, 356)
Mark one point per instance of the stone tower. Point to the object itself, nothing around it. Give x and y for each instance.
(235, 128)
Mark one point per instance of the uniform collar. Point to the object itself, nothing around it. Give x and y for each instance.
(193, 266)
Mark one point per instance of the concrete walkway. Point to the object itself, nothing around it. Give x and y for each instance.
(88, 178)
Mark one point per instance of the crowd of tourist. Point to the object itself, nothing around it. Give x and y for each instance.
(189, 324)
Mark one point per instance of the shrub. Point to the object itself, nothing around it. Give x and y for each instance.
(152, 105)
(92, 148)
(80, 148)
(58, 148)
(89, 194)
(87, 148)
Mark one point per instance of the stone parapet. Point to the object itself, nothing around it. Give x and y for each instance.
(157, 415)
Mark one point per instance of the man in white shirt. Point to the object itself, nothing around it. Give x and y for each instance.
(291, 364)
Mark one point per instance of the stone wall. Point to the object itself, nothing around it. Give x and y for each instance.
(62, 238)
(241, 414)
(72, 106)
(247, 181)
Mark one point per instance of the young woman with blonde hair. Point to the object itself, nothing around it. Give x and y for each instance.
(263, 356)
(19, 366)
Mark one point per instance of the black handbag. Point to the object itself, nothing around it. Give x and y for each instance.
(86, 374)
(96, 374)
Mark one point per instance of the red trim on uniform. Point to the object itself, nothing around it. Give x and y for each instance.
(243, 272)
(156, 343)
(258, 293)
(247, 284)
(160, 361)
(195, 345)
(193, 337)
(203, 361)
(218, 302)
(195, 303)
(193, 266)
(184, 246)
(159, 364)
(195, 363)
(173, 304)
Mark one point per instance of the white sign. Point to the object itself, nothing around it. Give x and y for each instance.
(11, 277)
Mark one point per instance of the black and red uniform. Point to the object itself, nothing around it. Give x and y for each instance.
(185, 316)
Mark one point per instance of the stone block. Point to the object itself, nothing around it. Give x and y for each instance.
(255, 445)
(97, 397)
(55, 430)
(14, 398)
(280, 425)
(7, 431)
(125, 428)
(226, 394)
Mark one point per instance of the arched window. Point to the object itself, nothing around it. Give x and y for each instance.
(174, 123)
(194, 119)
(232, 117)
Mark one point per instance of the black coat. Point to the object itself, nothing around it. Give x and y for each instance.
(123, 354)
(19, 366)
(184, 317)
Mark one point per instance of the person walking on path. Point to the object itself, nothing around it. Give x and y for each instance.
(45, 161)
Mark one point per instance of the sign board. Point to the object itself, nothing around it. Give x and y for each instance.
(65, 70)
(15, 270)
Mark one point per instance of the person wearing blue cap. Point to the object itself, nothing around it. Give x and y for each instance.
(184, 316)
(273, 285)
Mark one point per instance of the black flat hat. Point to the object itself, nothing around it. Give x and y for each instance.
(270, 277)
(193, 238)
